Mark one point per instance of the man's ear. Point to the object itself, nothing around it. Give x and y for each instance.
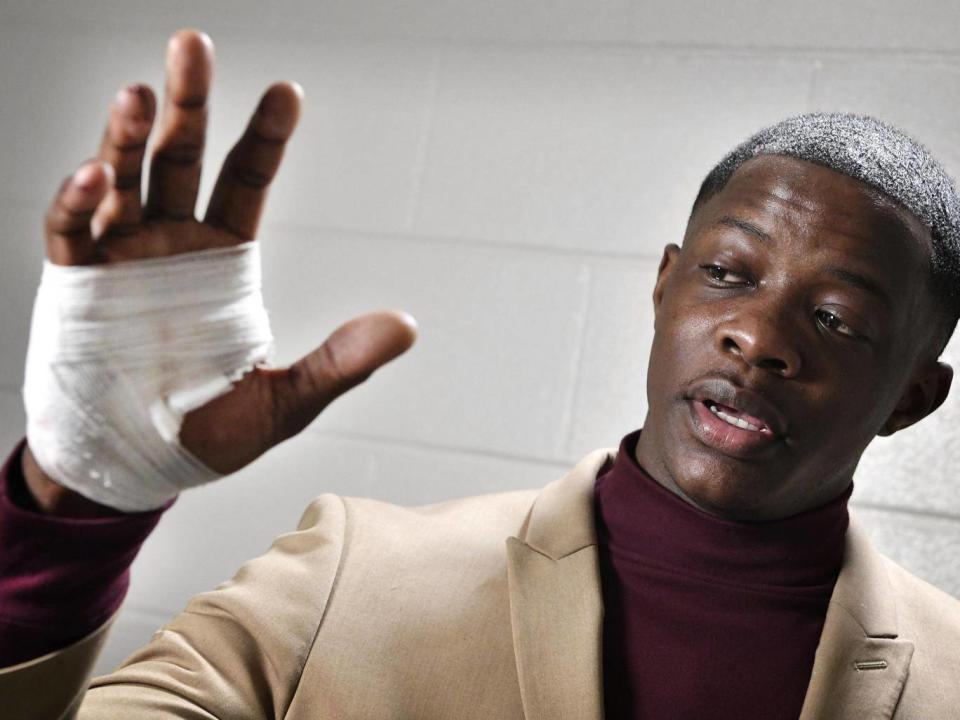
(925, 393)
(667, 263)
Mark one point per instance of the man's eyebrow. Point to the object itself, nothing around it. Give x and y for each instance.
(863, 282)
(747, 227)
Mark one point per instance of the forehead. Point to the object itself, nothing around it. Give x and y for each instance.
(808, 198)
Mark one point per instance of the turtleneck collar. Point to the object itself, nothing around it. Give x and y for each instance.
(646, 523)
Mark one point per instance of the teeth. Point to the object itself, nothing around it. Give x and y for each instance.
(730, 419)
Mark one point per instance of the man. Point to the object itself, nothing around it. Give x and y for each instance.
(706, 569)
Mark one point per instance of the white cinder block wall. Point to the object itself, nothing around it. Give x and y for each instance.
(506, 171)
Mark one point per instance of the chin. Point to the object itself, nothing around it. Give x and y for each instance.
(729, 497)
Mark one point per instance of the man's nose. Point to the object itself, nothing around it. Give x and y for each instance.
(761, 337)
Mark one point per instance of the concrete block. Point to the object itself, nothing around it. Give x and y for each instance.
(590, 150)
(409, 475)
(859, 24)
(56, 88)
(611, 397)
(855, 24)
(926, 546)
(495, 364)
(13, 421)
(355, 157)
(920, 96)
(496, 21)
(22, 249)
(459, 20)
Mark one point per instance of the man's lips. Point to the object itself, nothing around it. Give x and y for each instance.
(738, 406)
(729, 434)
(734, 420)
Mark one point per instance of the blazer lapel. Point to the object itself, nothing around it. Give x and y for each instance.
(861, 663)
(556, 606)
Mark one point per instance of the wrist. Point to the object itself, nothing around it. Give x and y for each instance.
(51, 498)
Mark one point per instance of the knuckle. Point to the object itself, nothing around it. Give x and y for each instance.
(291, 410)
(258, 135)
(182, 153)
(123, 229)
(189, 102)
(135, 148)
(251, 177)
(332, 366)
(125, 182)
(70, 216)
(223, 221)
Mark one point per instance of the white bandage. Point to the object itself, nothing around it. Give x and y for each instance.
(119, 354)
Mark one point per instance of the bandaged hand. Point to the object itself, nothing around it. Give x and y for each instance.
(148, 368)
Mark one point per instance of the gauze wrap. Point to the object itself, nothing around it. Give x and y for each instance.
(120, 353)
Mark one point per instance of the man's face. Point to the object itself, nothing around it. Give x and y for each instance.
(794, 325)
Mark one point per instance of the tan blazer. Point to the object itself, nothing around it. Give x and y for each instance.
(486, 607)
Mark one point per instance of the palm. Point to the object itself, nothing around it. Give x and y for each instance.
(100, 217)
(160, 237)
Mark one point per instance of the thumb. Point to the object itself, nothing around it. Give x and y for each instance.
(347, 358)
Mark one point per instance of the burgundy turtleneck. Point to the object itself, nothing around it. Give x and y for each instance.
(708, 618)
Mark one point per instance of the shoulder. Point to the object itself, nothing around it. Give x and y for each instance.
(925, 613)
(356, 525)
(468, 519)
(442, 539)
(360, 541)
(555, 519)
(929, 619)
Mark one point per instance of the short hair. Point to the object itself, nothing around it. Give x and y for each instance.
(882, 157)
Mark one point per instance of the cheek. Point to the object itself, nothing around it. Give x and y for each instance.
(686, 328)
(848, 412)
(681, 350)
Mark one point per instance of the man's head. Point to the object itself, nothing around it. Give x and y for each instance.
(804, 314)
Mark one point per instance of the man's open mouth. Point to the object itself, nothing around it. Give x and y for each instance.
(737, 418)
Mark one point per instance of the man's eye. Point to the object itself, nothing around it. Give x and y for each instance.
(724, 278)
(833, 322)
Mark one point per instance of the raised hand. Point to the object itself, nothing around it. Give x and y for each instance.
(98, 217)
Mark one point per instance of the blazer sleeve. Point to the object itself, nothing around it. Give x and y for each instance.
(235, 652)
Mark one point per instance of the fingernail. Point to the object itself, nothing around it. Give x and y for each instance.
(409, 319)
(142, 93)
(276, 115)
(87, 176)
(131, 94)
(123, 98)
(133, 103)
(108, 171)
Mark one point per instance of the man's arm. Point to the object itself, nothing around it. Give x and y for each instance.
(98, 219)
